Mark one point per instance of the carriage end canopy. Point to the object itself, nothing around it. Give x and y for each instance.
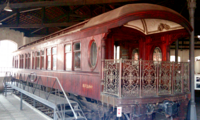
(123, 15)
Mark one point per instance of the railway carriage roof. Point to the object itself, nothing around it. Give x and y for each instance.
(124, 10)
(137, 11)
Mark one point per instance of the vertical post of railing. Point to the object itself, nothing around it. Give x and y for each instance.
(54, 115)
(6, 88)
(188, 77)
(172, 79)
(120, 78)
(140, 78)
(157, 79)
(182, 74)
(102, 75)
(34, 103)
(21, 95)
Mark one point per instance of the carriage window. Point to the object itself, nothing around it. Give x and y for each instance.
(49, 58)
(135, 54)
(26, 61)
(21, 61)
(157, 54)
(54, 52)
(33, 60)
(13, 62)
(68, 57)
(29, 61)
(16, 61)
(77, 55)
(93, 54)
(38, 60)
(42, 59)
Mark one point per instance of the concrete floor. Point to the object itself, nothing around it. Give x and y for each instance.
(10, 110)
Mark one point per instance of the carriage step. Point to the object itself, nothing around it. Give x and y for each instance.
(60, 108)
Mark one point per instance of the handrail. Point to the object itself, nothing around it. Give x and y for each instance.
(58, 81)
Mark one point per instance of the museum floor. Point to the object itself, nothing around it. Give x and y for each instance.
(10, 110)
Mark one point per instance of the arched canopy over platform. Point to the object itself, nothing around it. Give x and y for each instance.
(125, 14)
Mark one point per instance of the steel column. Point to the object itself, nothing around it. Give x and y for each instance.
(191, 7)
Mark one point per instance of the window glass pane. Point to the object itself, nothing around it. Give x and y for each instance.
(48, 51)
(67, 48)
(54, 61)
(77, 60)
(38, 53)
(54, 50)
(68, 60)
(49, 62)
(93, 54)
(29, 62)
(42, 52)
(157, 54)
(135, 54)
(38, 62)
(77, 46)
(42, 60)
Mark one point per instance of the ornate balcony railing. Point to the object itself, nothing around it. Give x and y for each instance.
(144, 78)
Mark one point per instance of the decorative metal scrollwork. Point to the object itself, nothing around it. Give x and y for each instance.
(130, 78)
(177, 78)
(165, 71)
(111, 76)
(186, 77)
(145, 78)
(149, 77)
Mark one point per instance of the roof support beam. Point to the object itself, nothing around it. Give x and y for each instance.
(4, 18)
(62, 3)
(39, 25)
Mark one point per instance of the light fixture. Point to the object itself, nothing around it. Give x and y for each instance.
(7, 8)
(0, 23)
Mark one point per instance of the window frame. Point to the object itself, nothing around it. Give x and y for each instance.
(26, 61)
(160, 50)
(47, 55)
(52, 56)
(42, 56)
(76, 51)
(29, 61)
(37, 66)
(92, 67)
(65, 54)
(33, 60)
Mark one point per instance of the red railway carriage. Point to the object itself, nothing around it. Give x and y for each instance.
(119, 58)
